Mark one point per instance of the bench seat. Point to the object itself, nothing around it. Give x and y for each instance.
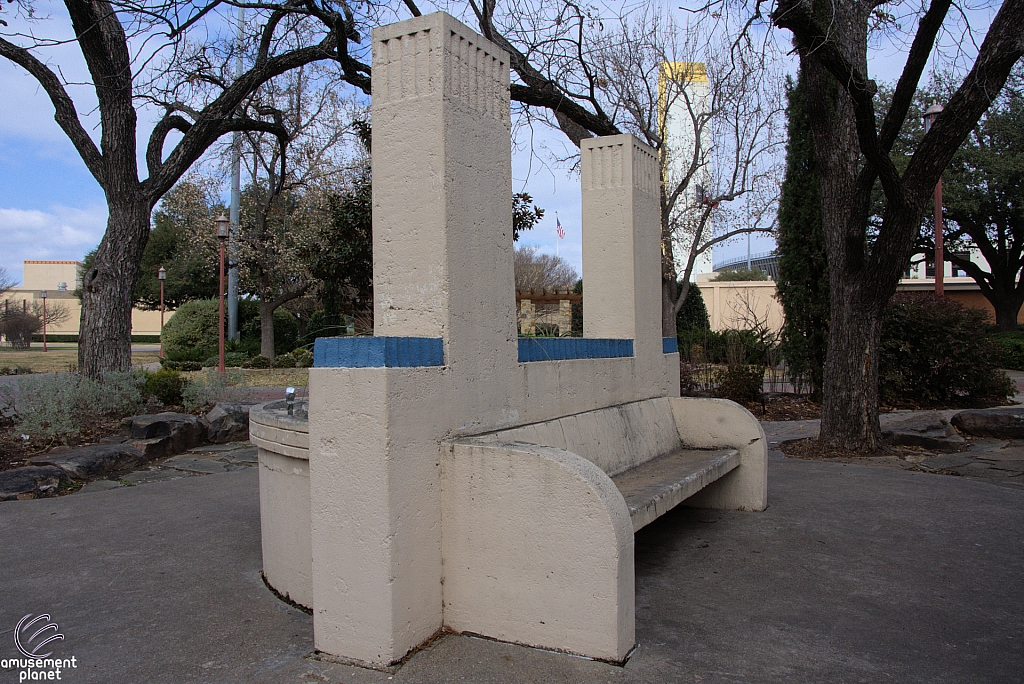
(659, 485)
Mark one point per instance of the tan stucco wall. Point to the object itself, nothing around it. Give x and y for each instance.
(46, 275)
(730, 303)
(143, 322)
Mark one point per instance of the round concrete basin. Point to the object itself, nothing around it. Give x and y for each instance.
(283, 442)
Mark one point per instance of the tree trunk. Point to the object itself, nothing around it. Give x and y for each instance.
(267, 328)
(1007, 310)
(849, 412)
(108, 287)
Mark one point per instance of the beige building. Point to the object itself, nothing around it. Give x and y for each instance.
(59, 280)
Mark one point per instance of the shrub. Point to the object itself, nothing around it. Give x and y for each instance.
(235, 359)
(286, 328)
(740, 382)
(258, 361)
(740, 275)
(65, 405)
(211, 387)
(1011, 344)
(932, 354)
(303, 358)
(166, 385)
(190, 334)
(284, 361)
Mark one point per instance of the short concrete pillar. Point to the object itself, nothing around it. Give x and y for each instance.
(622, 244)
(564, 318)
(527, 317)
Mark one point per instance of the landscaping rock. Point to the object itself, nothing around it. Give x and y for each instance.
(1000, 423)
(164, 434)
(229, 422)
(94, 461)
(30, 482)
(929, 430)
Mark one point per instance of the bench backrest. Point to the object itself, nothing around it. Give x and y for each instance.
(614, 439)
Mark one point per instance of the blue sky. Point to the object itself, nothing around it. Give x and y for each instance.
(51, 208)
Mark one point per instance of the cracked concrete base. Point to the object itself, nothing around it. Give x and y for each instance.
(853, 574)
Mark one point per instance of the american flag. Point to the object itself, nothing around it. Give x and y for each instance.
(559, 229)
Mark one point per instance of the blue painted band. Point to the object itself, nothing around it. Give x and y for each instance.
(669, 345)
(377, 352)
(564, 348)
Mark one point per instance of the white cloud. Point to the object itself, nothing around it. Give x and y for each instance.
(59, 233)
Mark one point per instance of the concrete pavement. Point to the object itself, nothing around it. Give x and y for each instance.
(853, 574)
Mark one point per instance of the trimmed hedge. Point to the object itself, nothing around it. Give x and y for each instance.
(191, 333)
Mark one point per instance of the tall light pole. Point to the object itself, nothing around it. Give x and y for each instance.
(42, 294)
(161, 276)
(940, 260)
(223, 231)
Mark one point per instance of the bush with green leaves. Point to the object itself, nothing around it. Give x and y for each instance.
(740, 275)
(258, 361)
(740, 382)
(303, 358)
(166, 385)
(1011, 344)
(64, 405)
(284, 361)
(235, 359)
(191, 333)
(933, 353)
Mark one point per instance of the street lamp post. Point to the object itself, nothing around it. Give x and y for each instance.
(42, 295)
(223, 231)
(161, 276)
(940, 261)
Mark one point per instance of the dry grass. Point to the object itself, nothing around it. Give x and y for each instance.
(262, 377)
(56, 360)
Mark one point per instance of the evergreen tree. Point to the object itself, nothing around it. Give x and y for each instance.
(802, 285)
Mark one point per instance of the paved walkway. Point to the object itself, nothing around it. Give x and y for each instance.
(854, 574)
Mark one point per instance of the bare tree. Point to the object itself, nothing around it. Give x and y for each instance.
(853, 153)
(536, 272)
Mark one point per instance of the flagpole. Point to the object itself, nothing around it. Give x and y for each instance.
(556, 235)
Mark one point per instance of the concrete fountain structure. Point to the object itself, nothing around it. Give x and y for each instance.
(453, 476)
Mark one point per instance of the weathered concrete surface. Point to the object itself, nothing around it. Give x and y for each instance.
(853, 574)
(928, 430)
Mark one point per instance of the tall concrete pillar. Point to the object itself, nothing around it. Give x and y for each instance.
(622, 244)
(444, 331)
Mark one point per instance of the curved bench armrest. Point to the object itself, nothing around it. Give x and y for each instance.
(719, 423)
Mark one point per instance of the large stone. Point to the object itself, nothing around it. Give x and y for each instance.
(30, 482)
(1000, 423)
(929, 430)
(164, 434)
(94, 461)
(229, 422)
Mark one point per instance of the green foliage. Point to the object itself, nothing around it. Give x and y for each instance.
(284, 361)
(1011, 344)
(740, 382)
(802, 286)
(234, 359)
(303, 358)
(525, 214)
(741, 274)
(258, 361)
(932, 354)
(190, 334)
(323, 324)
(64, 405)
(577, 311)
(185, 366)
(211, 387)
(693, 315)
(166, 385)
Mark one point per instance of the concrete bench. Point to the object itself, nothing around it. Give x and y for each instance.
(538, 520)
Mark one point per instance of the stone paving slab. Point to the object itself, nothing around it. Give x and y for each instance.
(154, 474)
(853, 574)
